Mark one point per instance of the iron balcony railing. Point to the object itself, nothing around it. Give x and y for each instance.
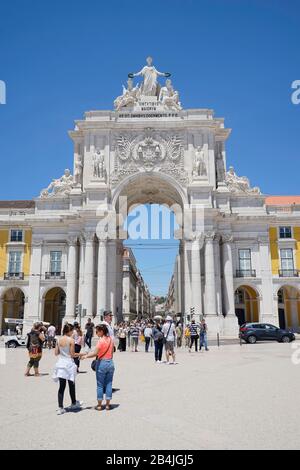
(53, 275)
(288, 272)
(245, 273)
(13, 276)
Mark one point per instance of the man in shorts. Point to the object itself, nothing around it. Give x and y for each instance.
(169, 333)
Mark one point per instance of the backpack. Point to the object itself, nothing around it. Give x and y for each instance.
(159, 337)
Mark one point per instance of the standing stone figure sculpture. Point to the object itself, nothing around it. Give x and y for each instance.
(150, 86)
(99, 165)
(199, 163)
(78, 171)
(129, 97)
(169, 97)
(220, 167)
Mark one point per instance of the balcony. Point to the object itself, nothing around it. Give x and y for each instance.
(58, 275)
(13, 276)
(288, 273)
(245, 273)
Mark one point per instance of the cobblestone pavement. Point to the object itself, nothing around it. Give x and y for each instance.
(232, 397)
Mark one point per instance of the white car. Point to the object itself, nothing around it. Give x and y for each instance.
(15, 341)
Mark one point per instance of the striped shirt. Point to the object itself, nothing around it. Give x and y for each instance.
(134, 331)
(193, 329)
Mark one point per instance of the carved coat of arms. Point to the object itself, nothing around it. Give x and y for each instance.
(148, 152)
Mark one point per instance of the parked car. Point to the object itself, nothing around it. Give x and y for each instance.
(252, 332)
(15, 341)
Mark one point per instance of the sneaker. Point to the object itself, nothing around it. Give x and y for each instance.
(76, 406)
(60, 411)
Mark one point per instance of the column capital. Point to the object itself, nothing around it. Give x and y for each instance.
(37, 243)
(89, 237)
(263, 240)
(196, 238)
(210, 236)
(72, 240)
(227, 238)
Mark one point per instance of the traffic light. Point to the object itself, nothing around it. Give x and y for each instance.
(78, 308)
(192, 310)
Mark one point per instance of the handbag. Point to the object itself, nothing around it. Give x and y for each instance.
(94, 362)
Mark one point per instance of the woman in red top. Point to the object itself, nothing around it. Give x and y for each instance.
(105, 367)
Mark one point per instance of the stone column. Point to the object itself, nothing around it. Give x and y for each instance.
(102, 277)
(229, 324)
(126, 293)
(217, 255)
(33, 311)
(187, 279)
(196, 277)
(210, 282)
(81, 269)
(71, 279)
(119, 282)
(228, 287)
(112, 277)
(89, 274)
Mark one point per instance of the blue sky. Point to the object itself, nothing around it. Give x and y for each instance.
(61, 58)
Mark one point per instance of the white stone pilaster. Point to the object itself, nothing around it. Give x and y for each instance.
(71, 279)
(266, 311)
(33, 311)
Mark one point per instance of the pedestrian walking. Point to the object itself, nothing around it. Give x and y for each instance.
(34, 344)
(51, 336)
(187, 336)
(147, 335)
(122, 332)
(65, 369)
(158, 338)
(104, 366)
(89, 333)
(203, 335)
(134, 335)
(169, 336)
(194, 335)
(179, 334)
(107, 320)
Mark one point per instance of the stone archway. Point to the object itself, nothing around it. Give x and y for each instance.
(147, 188)
(12, 300)
(289, 307)
(54, 302)
(246, 304)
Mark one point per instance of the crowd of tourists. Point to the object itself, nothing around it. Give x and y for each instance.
(74, 345)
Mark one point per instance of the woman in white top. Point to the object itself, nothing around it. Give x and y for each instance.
(66, 369)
